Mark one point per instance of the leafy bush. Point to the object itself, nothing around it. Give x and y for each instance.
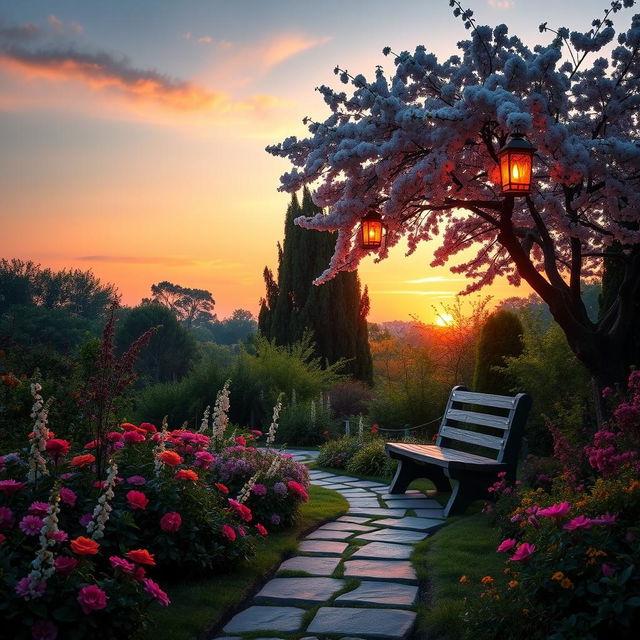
(370, 460)
(304, 424)
(350, 398)
(336, 454)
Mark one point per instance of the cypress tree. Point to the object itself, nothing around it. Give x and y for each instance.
(501, 337)
(335, 313)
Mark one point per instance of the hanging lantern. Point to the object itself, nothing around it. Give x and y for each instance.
(371, 229)
(516, 163)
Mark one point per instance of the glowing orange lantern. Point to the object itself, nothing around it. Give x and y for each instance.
(371, 230)
(516, 163)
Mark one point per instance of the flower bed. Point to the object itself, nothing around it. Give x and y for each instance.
(79, 547)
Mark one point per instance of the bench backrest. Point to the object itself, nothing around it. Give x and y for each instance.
(498, 434)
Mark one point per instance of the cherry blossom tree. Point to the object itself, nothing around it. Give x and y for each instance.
(420, 147)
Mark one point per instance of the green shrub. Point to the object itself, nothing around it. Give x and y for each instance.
(370, 460)
(336, 454)
(303, 424)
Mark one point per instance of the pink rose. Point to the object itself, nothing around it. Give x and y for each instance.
(555, 511)
(120, 563)
(65, 564)
(67, 496)
(171, 522)
(92, 598)
(261, 530)
(523, 552)
(137, 499)
(133, 437)
(506, 545)
(153, 589)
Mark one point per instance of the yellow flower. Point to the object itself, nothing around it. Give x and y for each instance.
(513, 584)
(558, 575)
(633, 486)
(487, 580)
(463, 579)
(566, 584)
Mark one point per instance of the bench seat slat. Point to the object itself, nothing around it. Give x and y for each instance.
(471, 437)
(440, 456)
(484, 399)
(483, 419)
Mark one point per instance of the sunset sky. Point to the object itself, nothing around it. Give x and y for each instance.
(133, 133)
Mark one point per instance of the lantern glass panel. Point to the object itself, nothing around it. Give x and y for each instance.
(371, 233)
(515, 169)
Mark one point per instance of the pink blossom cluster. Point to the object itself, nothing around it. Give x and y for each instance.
(604, 456)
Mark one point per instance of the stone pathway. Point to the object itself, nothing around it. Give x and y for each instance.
(352, 578)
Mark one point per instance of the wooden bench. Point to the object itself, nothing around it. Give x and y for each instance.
(470, 458)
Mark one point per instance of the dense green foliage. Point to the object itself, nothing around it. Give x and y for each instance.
(172, 349)
(559, 385)
(500, 338)
(335, 313)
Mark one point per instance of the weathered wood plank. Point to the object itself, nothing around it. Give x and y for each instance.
(471, 437)
(483, 399)
(482, 419)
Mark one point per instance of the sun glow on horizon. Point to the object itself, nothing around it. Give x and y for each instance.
(444, 319)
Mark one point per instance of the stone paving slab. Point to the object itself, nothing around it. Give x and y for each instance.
(397, 570)
(378, 512)
(355, 519)
(322, 483)
(359, 492)
(318, 475)
(320, 566)
(396, 536)
(430, 513)
(393, 624)
(336, 487)
(411, 522)
(298, 590)
(389, 594)
(367, 502)
(329, 534)
(344, 478)
(384, 551)
(257, 618)
(425, 503)
(367, 484)
(323, 547)
(345, 526)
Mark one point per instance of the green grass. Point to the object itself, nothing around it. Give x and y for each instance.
(466, 545)
(200, 605)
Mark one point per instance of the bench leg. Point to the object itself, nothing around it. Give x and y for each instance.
(466, 489)
(408, 471)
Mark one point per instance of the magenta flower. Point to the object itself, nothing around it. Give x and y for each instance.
(39, 508)
(44, 630)
(58, 536)
(27, 590)
(606, 519)
(259, 489)
(85, 519)
(607, 570)
(65, 564)
(171, 522)
(228, 532)
(581, 522)
(6, 518)
(137, 481)
(523, 552)
(11, 486)
(31, 525)
(92, 598)
(121, 563)
(67, 496)
(555, 511)
(137, 499)
(506, 545)
(156, 592)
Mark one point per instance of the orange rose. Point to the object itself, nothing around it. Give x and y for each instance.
(186, 474)
(141, 556)
(83, 460)
(84, 546)
(127, 426)
(170, 457)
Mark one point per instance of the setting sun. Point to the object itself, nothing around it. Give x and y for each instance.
(444, 319)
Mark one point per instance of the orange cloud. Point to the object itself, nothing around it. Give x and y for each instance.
(103, 72)
(287, 46)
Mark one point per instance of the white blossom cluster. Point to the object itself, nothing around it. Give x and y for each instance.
(220, 415)
(420, 148)
(39, 412)
(158, 465)
(273, 427)
(245, 492)
(204, 424)
(360, 427)
(274, 466)
(42, 567)
(95, 526)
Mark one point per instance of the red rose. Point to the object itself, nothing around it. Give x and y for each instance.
(57, 448)
(171, 522)
(137, 500)
(228, 533)
(221, 488)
